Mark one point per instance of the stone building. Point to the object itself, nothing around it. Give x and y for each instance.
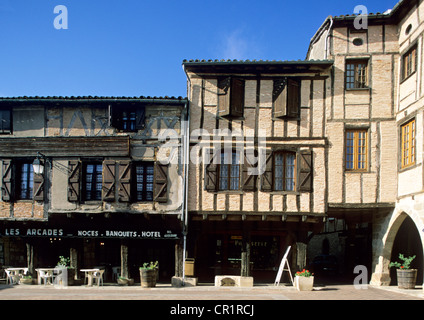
(258, 163)
(111, 191)
(374, 127)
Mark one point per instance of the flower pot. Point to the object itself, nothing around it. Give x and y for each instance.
(123, 282)
(406, 278)
(25, 281)
(148, 278)
(304, 283)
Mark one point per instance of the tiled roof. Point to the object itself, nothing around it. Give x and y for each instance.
(235, 61)
(90, 98)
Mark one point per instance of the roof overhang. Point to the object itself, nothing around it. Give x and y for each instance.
(256, 66)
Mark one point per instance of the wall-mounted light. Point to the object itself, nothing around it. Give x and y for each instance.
(38, 164)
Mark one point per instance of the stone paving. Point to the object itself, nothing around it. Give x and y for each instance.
(207, 292)
(203, 301)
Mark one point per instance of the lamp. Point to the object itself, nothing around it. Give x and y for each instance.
(38, 165)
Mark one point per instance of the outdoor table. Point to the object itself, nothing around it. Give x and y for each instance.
(17, 272)
(89, 274)
(49, 271)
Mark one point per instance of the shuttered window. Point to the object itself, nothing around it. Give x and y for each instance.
(92, 181)
(143, 181)
(286, 98)
(231, 97)
(287, 171)
(408, 144)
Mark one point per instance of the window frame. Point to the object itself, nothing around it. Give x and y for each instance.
(284, 177)
(94, 197)
(356, 63)
(134, 189)
(356, 167)
(404, 62)
(230, 166)
(29, 194)
(410, 128)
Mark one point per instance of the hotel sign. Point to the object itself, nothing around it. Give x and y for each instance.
(89, 233)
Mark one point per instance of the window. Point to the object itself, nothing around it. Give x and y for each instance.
(123, 181)
(409, 62)
(356, 74)
(25, 181)
(93, 181)
(284, 171)
(286, 98)
(408, 144)
(229, 171)
(143, 181)
(230, 97)
(127, 118)
(356, 150)
(5, 121)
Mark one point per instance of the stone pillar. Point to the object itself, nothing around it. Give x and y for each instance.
(74, 262)
(30, 257)
(178, 259)
(245, 260)
(301, 255)
(124, 260)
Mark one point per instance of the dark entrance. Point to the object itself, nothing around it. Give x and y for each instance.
(408, 242)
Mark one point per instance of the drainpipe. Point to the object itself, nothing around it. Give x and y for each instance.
(326, 38)
(186, 166)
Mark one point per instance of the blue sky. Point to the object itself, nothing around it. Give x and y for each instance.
(136, 47)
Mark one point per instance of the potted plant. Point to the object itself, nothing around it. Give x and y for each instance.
(148, 274)
(406, 277)
(64, 263)
(26, 279)
(304, 280)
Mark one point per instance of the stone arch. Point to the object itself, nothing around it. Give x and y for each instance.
(383, 242)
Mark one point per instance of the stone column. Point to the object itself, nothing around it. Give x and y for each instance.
(124, 259)
(30, 257)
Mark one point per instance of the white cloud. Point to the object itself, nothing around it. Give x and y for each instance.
(236, 45)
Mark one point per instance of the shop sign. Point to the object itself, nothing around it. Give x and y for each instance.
(79, 233)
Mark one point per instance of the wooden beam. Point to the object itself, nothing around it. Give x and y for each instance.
(65, 146)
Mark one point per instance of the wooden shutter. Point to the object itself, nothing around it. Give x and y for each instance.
(7, 180)
(74, 180)
(211, 171)
(124, 178)
(108, 187)
(160, 182)
(224, 96)
(304, 163)
(267, 176)
(293, 98)
(237, 97)
(140, 118)
(279, 97)
(38, 190)
(114, 117)
(248, 180)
